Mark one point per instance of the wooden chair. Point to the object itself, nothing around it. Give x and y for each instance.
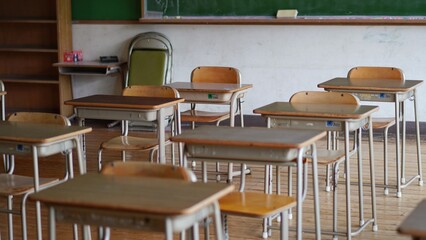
(257, 205)
(130, 143)
(213, 74)
(16, 185)
(378, 73)
(145, 169)
(329, 157)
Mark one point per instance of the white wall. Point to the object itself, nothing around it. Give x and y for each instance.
(277, 60)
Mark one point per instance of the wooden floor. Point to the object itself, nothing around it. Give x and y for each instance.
(390, 209)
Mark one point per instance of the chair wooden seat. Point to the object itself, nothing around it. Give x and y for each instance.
(326, 157)
(257, 205)
(18, 185)
(379, 123)
(130, 143)
(203, 116)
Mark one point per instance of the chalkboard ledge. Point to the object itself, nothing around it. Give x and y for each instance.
(311, 20)
(259, 20)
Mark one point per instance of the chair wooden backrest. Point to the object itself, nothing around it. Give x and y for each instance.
(145, 169)
(314, 97)
(215, 74)
(39, 117)
(376, 73)
(150, 91)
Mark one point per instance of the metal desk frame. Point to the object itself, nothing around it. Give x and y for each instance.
(115, 108)
(201, 146)
(297, 116)
(133, 210)
(389, 92)
(22, 141)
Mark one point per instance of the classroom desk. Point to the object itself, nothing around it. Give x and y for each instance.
(383, 90)
(414, 224)
(328, 117)
(261, 146)
(117, 107)
(133, 202)
(40, 140)
(212, 93)
(2, 100)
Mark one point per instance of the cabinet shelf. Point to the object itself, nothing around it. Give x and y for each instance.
(28, 49)
(34, 34)
(29, 20)
(30, 79)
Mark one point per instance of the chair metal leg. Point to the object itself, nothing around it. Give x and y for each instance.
(10, 216)
(100, 159)
(385, 159)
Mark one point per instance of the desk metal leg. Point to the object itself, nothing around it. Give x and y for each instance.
(398, 149)
(419, 156)
(372, 174)
(299, 193)
(169, 229)
(52, 224)
(36, 189)
(161, 136)
(404, 137)
(316, 192)
(348, 184)
(360, 176)
(217, 221)
(80, 156)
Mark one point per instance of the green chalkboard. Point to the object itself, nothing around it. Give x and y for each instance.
(106, 9)
(304, 7)
(131, 9)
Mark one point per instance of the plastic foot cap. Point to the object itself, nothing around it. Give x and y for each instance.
(399, 194)
(386, 191)
(265, 235)
(327, 188)
(403, 180)
(375, 228)
(420, 182)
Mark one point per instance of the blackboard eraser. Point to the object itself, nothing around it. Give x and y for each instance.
(287, 13)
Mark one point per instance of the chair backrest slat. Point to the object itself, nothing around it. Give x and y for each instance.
(317, 97)
(216, 74)
(39, 117)
(151, 91)
(376, 73)
(145, 169)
